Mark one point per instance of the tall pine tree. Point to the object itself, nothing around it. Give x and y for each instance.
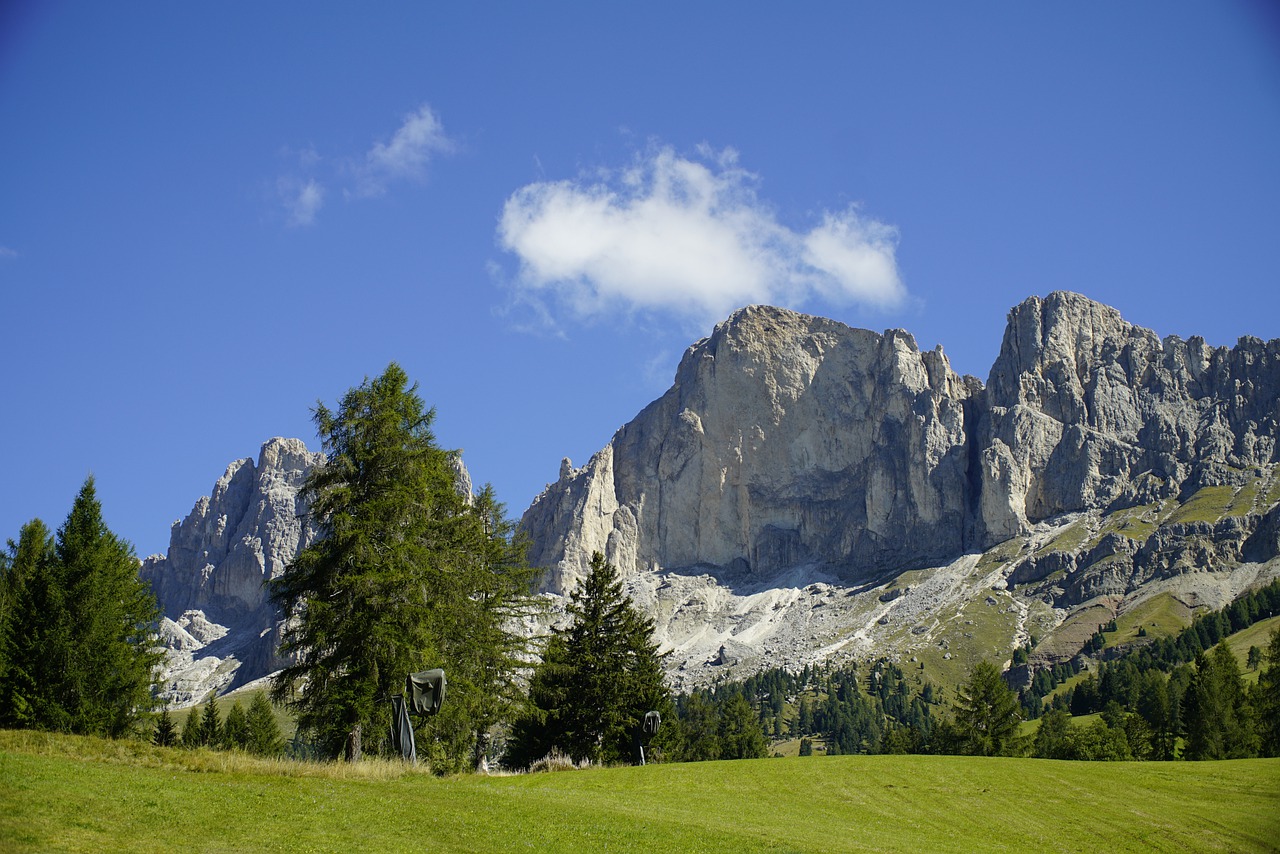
(407, 575)
(597, 679)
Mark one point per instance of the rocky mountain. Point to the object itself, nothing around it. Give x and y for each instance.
(219, 624)
(806, 489)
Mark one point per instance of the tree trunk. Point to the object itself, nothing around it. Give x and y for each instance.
(481, 757)
(352, 753)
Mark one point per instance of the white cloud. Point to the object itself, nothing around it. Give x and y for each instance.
(405, 156)
(302, 199)
(6, 252)
(690, 237)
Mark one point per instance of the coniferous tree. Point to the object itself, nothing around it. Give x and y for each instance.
(700, 731)
(1266, 699)
(191, 730)
(235, 729)
(112, 613)
(405, 576)
(264, 738)
(740, 733)
(210, 727)
(1219, 720)
(78, 637)
(597, 679)
(484, 656)
(33, 642)
(166, 734)
(988, 713)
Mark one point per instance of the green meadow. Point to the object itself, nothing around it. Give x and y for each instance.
(66, 793)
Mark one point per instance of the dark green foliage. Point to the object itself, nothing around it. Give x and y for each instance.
(210, 727)
(740, 733)
(1266, 699)
(698, 719)
(77, 634)
(166, 734)
(806, 747)
(1053, 735)
(33, 632)
(263, 737)
(235, 730)
(1219, 720)
(191, 731)
(1254, 658)
(597, 679)
(483, 656)
(406, 576)
(987, 714)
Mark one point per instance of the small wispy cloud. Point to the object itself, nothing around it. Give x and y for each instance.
(690, 237)
(302, 200)
(404, 157)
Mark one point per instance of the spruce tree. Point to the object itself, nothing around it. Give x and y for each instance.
(78, 650)
(406, 575)
(235, 729)
(191, 730)
(33, 642)
(1267, 699)
(597, 679)
(740, 733)
(988, 713)
(492, 580)
(166, 734)
(1219, 719)
(210, 727)
(264, 737)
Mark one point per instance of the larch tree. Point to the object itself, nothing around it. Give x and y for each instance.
(407, 574)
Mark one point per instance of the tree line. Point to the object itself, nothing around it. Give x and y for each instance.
(412, 572)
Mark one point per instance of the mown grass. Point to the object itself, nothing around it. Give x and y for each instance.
(70, 796)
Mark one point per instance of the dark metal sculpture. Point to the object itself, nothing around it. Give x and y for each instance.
(648, 729)
(423, 694)
(425, 691)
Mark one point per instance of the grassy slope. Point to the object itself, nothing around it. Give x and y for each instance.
(63, 793)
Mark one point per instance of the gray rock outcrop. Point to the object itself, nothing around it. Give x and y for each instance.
(789, 440)
(220, 628)
(785, 439)
(1084, 410)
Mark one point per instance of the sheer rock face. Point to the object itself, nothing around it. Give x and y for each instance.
(241, 536)
(220, 626)
(786, 439)
(789, 440)
(1086, 411)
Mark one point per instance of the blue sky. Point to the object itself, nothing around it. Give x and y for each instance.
(214, 215)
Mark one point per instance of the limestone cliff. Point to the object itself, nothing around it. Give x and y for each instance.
(219, 626)
(786, 439)
(789, 440)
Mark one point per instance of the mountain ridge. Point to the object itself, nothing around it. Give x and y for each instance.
(807, 491)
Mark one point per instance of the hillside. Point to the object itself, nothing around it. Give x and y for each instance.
(61, 793)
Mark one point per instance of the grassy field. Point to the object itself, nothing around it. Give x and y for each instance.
(60, 793)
